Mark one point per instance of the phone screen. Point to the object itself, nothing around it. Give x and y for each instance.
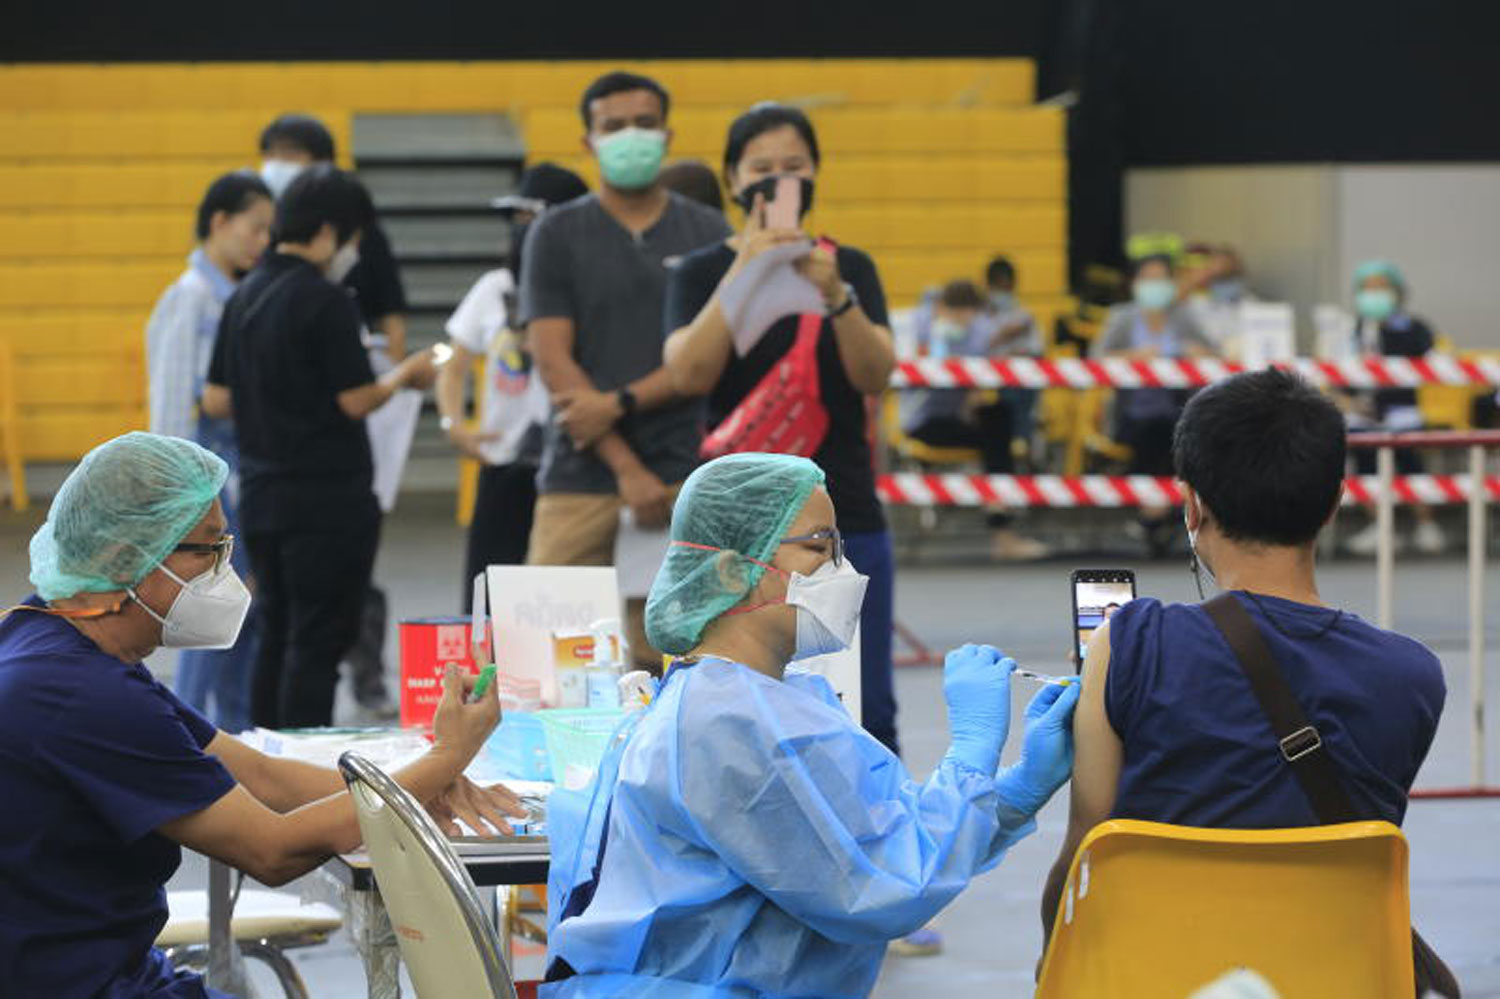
(785, 209)
(1097, 594)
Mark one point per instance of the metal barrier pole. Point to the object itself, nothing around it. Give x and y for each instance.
(1477, 538)
(1385, 522)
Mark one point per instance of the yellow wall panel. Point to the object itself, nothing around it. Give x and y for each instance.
(114, 285)
(86, 381)
(74, 332)
(440, 85)
(65, 435)
(967, 179)
(31, 235)
(106, 135)
(112, 185)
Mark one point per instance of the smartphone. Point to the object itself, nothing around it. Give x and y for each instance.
(1097, 594)
(784, 211)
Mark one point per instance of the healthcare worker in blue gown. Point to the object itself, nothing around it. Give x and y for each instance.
(744, 836)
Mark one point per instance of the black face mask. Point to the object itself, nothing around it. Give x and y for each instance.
(766, 188)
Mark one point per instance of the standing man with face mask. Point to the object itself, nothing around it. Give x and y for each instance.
(290, 368)
(592, 293)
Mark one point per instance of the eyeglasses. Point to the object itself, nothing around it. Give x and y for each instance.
(829, 534)
(221, 550)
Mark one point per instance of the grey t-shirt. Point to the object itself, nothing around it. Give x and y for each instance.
(582, 265)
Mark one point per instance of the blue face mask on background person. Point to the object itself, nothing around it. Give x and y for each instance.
(1002, 301)
(1227, 290)
(1375, 303)
(630, 159)
(1154, 293)
(948, 330)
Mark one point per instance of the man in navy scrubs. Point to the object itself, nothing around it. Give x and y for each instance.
(105, 775)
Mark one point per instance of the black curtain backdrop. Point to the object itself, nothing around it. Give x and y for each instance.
(154, 30)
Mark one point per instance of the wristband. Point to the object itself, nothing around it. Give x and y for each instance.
(627, 402)
(850, 301)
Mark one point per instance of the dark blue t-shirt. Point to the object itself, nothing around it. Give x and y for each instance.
(1198, 749)
(94, 756)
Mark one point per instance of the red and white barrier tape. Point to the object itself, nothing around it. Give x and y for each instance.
(1119, 372)
(1123, 491)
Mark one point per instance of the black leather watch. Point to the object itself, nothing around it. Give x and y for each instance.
(627, 402)
(851, 299)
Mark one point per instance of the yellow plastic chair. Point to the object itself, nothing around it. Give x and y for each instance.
(913, 449)
(1153, 910)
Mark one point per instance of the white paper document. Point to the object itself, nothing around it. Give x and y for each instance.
(391, 428)
(766, 290)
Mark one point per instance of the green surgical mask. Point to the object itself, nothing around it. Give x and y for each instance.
(630, 159)
(1375, 303)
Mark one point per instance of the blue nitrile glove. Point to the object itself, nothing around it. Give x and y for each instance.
(1046, 750)
(976, 685)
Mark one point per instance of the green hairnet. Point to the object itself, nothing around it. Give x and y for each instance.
(124, 508)
(1380, 268)
(742, 503)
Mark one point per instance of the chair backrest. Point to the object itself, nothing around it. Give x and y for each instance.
(1154, 911)
(449, 947)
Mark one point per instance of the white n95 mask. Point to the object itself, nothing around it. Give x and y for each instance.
(279, 174)
(345, 258)
(828, 604)
(208, 613)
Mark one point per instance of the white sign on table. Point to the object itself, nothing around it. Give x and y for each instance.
(529, 602)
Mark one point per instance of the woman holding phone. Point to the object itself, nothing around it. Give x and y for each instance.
(822, 364)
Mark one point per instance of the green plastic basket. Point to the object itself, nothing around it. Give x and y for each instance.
(576, 740)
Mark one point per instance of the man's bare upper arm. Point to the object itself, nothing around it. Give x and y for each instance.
(1097, 751)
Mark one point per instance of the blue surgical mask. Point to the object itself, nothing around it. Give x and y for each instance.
(1154, 294)
(630, 159)
(1375, 303)
(1229, 290)
(1002, 301)
(948, 330)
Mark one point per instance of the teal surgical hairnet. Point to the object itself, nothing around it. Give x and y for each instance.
(124, 508)
(742, 503)
(1380, 268)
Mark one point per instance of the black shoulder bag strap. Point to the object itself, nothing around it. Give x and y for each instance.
(1300, 744)
(1302, 748)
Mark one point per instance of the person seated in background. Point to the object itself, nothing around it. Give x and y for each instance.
(744, 836)
(514, 407)
(1212, 288)
(233, 229)
(1384, 328)
(1152, 326)
(1017, 335)
(106, 775)
(694, 180)
(1168, 728)
(958, 323)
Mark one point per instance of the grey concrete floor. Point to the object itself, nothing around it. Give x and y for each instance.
(992, 932)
